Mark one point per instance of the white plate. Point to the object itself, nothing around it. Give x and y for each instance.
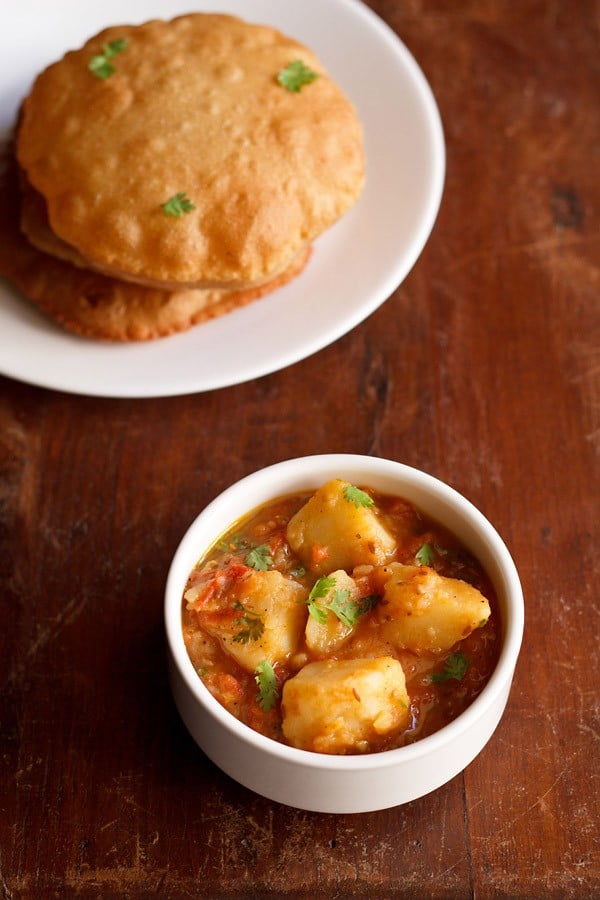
(356, 265)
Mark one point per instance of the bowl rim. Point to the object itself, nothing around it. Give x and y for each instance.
(306, 468)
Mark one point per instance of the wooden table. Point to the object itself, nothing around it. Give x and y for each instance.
(482, 368)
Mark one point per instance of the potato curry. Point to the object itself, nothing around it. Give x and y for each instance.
(341, 621)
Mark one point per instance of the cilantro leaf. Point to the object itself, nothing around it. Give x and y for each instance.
(99, 65)
(295, 76)
(345, 608)
(177, 205)
(317, 611)
(359, 498)
(268, 695)
(260, 558)
(366, 604)
(251, 627)
(114, 47)
(425, 555)
(235, 542)
(322, 587)
(338, 604)
(349, 610)
(455, 666)
(320, 590)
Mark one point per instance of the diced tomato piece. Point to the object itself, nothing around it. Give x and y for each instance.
(319, 553)
(227, 688)
(219, 581)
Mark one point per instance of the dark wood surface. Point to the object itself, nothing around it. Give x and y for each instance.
(482, 369)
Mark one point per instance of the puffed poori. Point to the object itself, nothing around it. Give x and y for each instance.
(173, 171)
(98, 306)
(193, 109)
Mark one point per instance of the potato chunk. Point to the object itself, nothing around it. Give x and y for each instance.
(330, 532)
(345, 706)
(422, 611)
(264, 619)
(324, 638)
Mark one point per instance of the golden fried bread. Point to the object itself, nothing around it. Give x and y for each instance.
(101, 307)
(36, 228)
(193, 108)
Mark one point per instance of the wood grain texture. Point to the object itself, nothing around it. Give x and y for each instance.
(483, 369)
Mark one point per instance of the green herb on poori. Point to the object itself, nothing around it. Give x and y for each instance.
(295, 76)
(99, 65)
(177, 206)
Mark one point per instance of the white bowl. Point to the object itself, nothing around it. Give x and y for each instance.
(328, 783)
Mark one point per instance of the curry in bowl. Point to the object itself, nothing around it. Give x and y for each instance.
(341, 621)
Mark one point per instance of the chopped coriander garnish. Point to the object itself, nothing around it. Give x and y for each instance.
(346, 609)
(268, 694)
(231, 543)
(366, 604)
(338, 606)
(295, 76)
(349, 611)
(251, 626)
(100, 65)
(260, 558)
(318, 612)
(425, 555)
(322, 587)
(359, 498)
(455, 666)
(320, 590)
(177, 206)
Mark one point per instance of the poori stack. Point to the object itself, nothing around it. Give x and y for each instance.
(172, 171)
